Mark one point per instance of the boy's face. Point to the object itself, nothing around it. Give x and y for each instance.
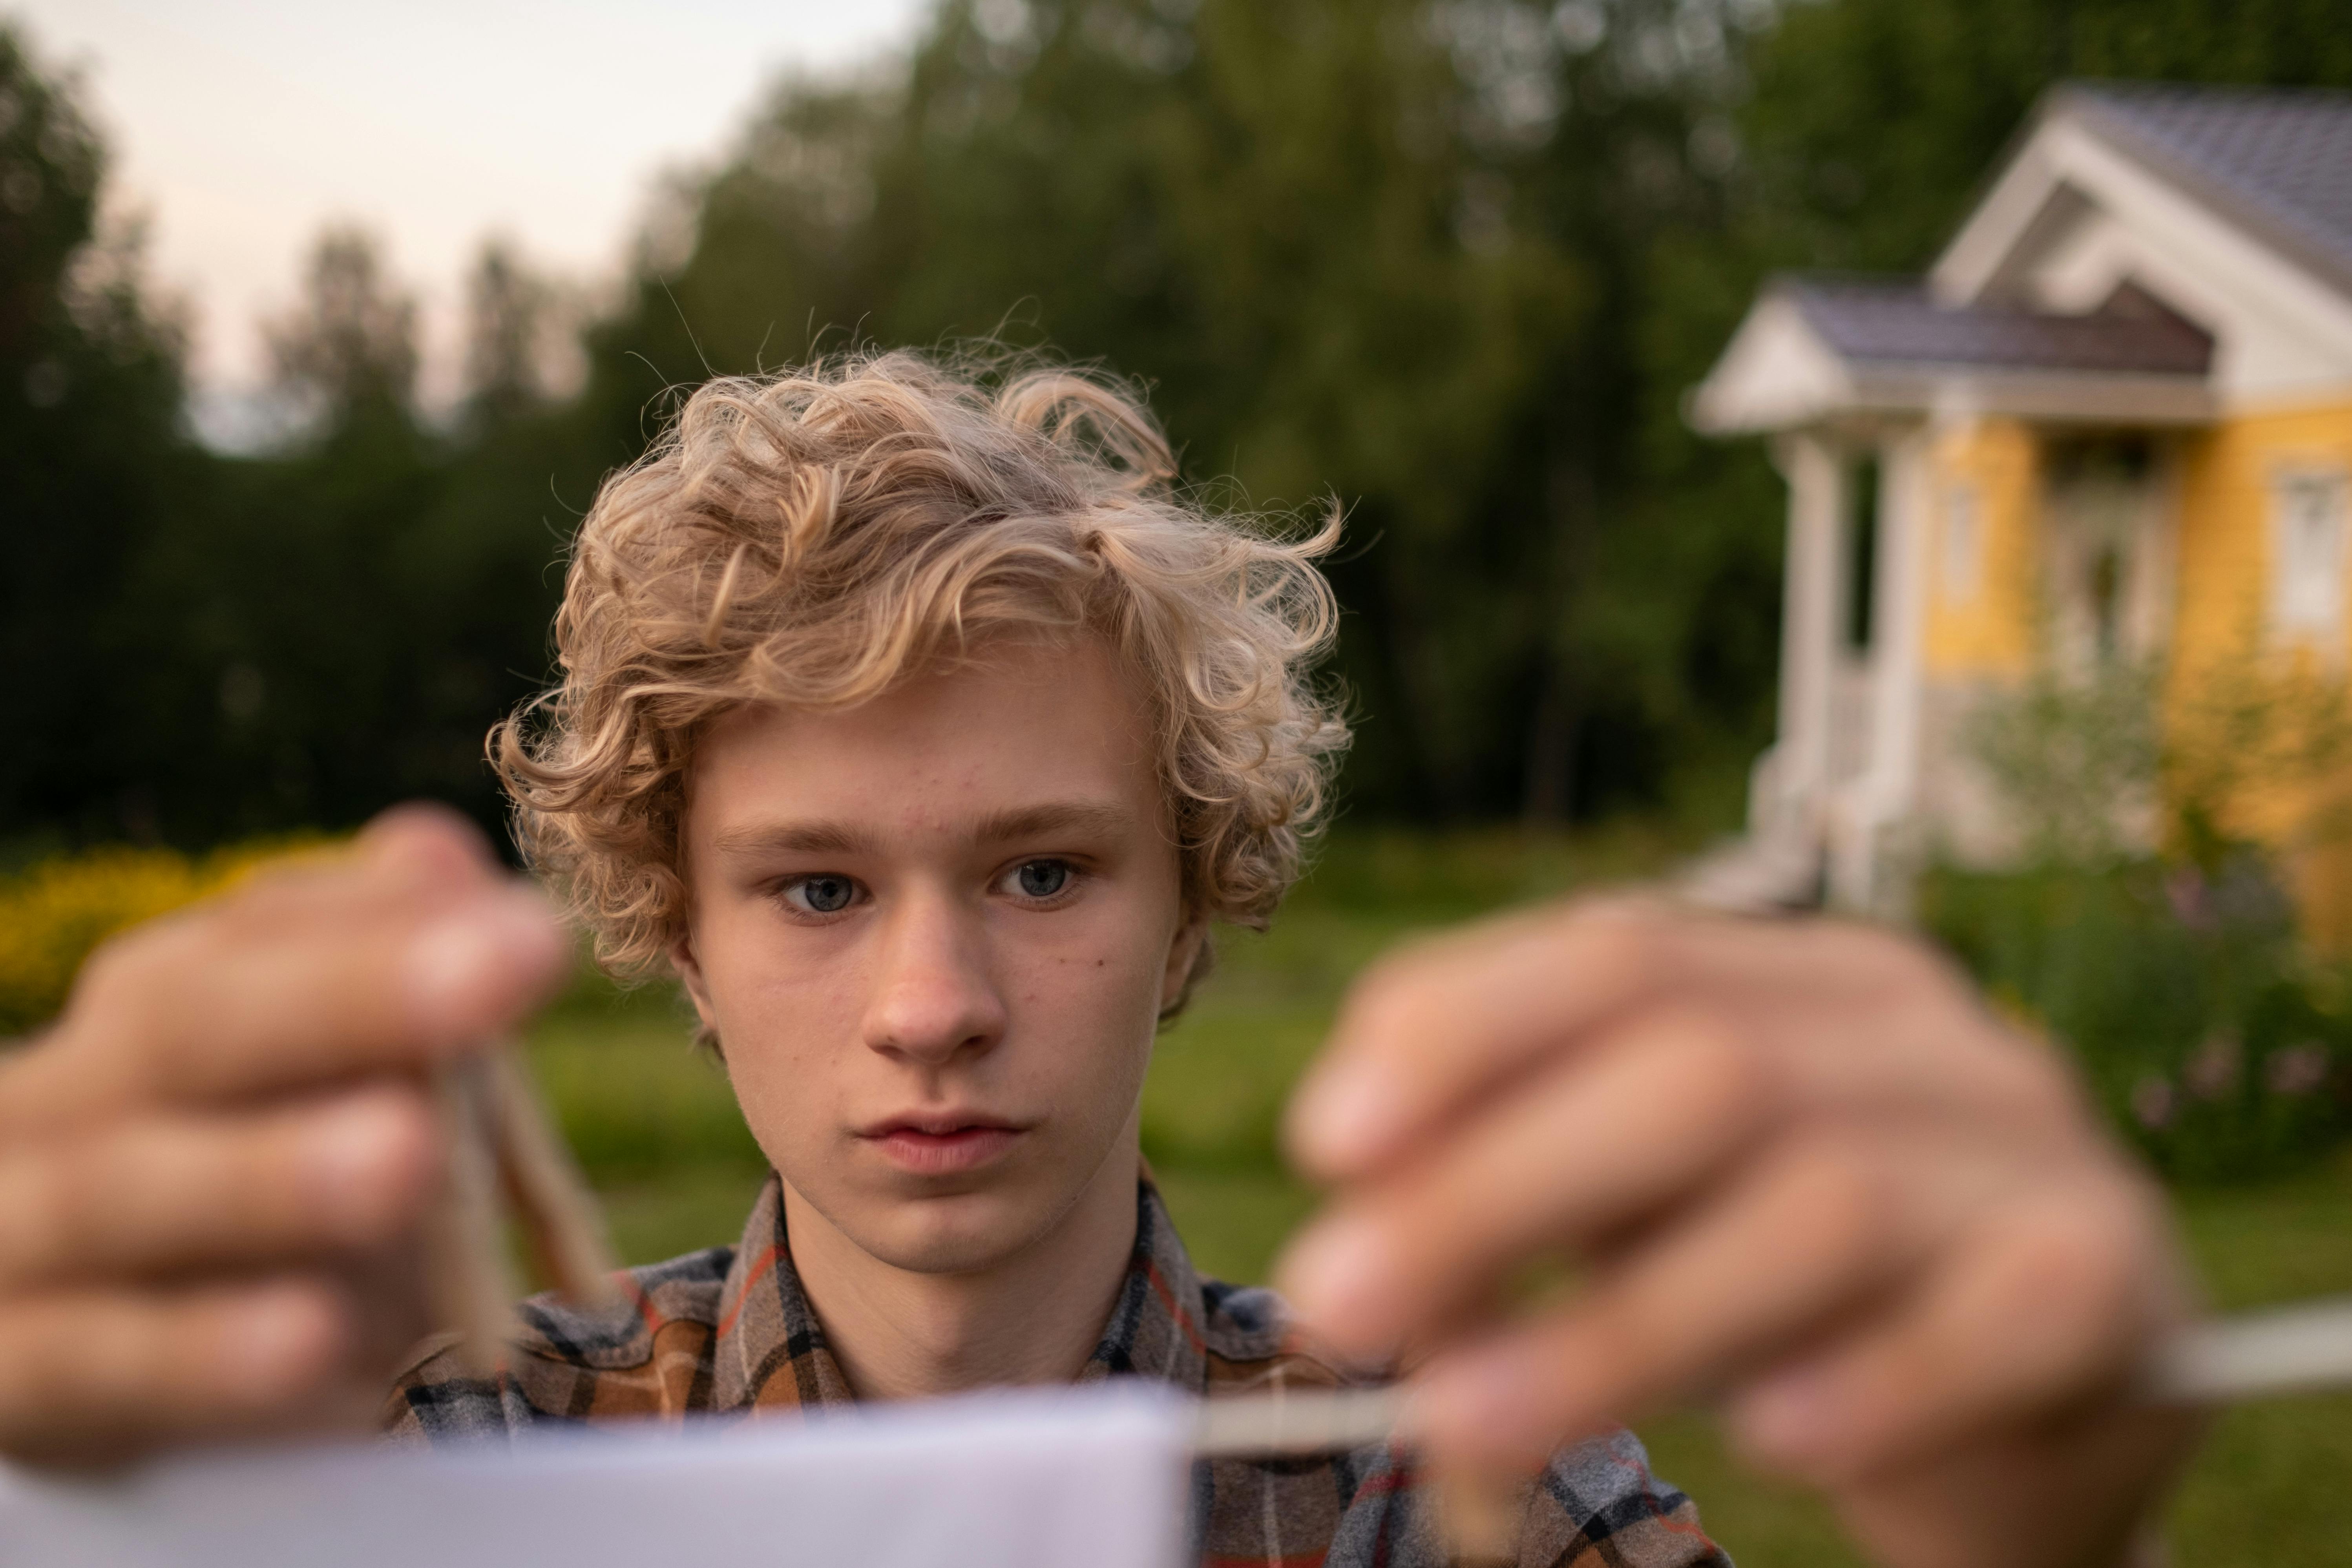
(934, 934)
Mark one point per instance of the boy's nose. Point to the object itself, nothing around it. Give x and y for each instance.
(933, 995)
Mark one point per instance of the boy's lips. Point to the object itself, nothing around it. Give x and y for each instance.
(942, 1143)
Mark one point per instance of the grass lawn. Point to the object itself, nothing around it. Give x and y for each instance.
(657, 1130)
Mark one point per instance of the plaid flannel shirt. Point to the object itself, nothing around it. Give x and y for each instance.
(728, 1331)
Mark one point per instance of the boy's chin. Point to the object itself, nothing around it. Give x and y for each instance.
(964, 1233)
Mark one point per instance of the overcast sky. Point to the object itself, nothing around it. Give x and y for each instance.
(242, 126)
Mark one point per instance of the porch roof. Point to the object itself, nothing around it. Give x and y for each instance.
(1817, 346)
(1893, 321)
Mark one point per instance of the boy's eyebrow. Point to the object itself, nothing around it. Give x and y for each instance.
(836, 838)
(792, 837)
(1056, 817)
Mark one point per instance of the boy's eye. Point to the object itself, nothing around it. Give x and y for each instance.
(825, 894)
(1041, 878)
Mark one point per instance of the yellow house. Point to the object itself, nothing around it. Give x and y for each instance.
(2114, 419)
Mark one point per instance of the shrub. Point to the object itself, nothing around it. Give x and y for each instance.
(53, 915)
(2208, 1035)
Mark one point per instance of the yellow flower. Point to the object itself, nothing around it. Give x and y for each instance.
(54, 914)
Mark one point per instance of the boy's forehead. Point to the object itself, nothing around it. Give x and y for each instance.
(1027, 731)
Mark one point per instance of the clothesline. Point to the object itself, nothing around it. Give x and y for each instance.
(2301, 1348)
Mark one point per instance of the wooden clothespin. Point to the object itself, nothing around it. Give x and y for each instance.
(505, 1157)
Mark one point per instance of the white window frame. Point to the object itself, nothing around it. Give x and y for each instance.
(2310, 507)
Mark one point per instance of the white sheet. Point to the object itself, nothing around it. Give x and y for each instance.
(1058, 1479)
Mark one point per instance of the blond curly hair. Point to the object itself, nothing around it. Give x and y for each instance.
(811, 537)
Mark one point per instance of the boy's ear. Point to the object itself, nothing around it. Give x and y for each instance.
(1182, 954)
(689, 974)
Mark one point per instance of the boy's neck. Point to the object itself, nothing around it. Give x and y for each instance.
(1034, 1318)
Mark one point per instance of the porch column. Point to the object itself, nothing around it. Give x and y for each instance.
(1866, 871)
(1788, 804)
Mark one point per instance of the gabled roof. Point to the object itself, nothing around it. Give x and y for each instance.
(1894, 320)
(2278, 161)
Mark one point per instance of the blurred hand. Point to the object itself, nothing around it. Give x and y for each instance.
(1805, 1171)
(213, 1167)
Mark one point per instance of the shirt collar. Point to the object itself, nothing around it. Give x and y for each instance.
(770, 1350)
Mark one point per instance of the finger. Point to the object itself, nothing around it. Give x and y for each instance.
(425, 841)
(1427, 1034)
(1666, 1101)
(193, 1013)
(99, 1377)
(1809, 1235)
(413, 855)
(2053, 1304)
(169, 1192)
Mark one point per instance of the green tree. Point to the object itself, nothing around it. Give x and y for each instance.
(1873, 123)
(372, 597)
(511, 319)
(96, 464)
(339, 627)
(347, 352)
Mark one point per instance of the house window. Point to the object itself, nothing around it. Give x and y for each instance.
(2307, 554)
(1959, 571)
